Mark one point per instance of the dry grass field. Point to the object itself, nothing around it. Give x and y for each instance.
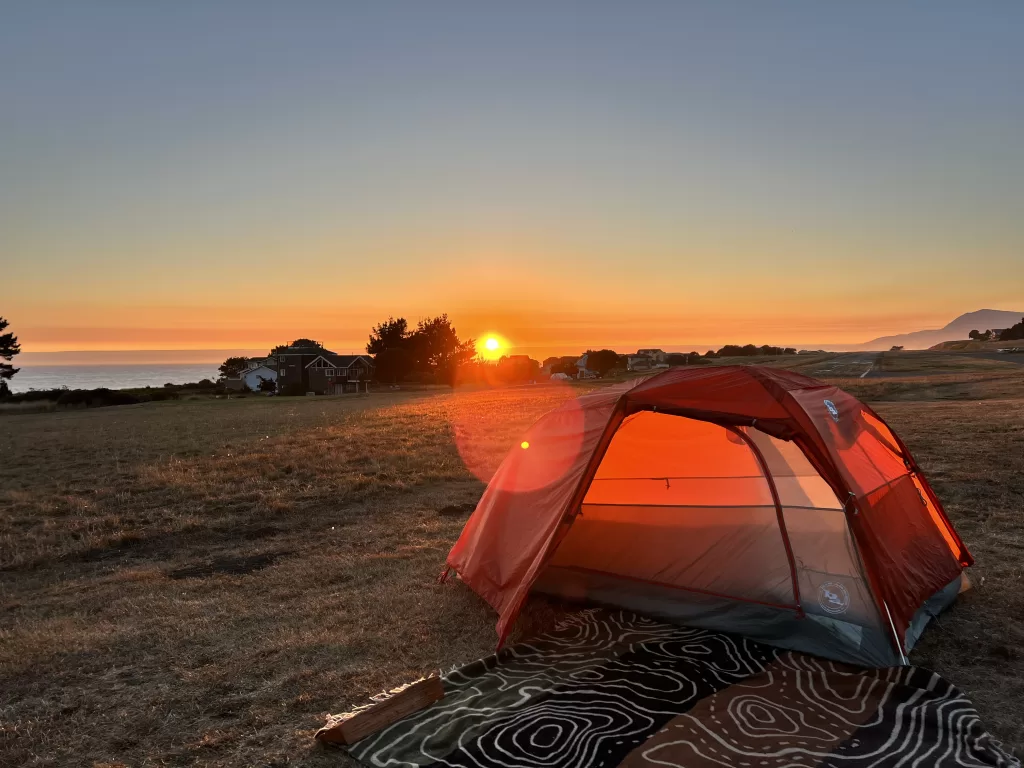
(200, 583)
(930, 362)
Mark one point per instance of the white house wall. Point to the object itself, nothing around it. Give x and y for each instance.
(252, 378)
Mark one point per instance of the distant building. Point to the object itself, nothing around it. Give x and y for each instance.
(639, 363)
(254, 376)
(306, 368)
(656, 355)
(582, 372)
(332, 374)
(563, 363)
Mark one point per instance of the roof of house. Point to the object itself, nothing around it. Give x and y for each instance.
(340, 361)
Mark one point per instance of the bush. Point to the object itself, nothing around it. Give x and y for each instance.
(99, 398)
(37, 395)
(159, 395)
(95, 398)
(420, 377)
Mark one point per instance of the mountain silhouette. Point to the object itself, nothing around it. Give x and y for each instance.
(981, 320)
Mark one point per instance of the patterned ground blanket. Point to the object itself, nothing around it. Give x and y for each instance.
(610, 688)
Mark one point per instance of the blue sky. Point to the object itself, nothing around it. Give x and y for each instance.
(706, 171)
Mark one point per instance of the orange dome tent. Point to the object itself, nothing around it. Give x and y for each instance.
(736, 498)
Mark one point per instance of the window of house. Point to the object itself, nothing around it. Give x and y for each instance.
(330, 373)
(282, 372)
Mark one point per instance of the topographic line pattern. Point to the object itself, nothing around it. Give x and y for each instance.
(611, 688)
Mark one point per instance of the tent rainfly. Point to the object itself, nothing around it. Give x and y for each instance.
(737, 498)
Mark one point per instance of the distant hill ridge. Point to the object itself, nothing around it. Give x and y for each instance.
(981, 320)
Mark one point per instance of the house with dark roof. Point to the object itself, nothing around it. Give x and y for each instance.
(302, 369)
(656, 355)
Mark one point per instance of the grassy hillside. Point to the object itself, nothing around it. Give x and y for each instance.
(969, 345)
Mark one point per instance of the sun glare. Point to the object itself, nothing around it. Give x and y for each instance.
(492, 347)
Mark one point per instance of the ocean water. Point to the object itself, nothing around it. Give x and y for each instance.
(109, 376)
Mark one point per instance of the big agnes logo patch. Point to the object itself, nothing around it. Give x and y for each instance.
(833, 597)
(832, 410)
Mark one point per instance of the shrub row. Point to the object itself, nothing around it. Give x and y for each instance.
(102, 396)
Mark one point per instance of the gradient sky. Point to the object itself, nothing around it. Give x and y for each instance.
(188, 175)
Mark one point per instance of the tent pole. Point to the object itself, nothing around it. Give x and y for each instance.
(895, 634)
(778, 511)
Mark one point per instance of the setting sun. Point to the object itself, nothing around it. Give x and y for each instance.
(491, 347)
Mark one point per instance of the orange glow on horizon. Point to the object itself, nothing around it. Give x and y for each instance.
(535, 326)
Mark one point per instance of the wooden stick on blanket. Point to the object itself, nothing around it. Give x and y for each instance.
(350, 728)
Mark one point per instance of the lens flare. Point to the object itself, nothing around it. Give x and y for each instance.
(487, 424)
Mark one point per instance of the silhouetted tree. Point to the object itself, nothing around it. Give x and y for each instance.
(437, 349)
(601, 361)
(566, 365)
(749, 350)
(391, 334)
(233, 366)
(9, 347)
(517, 369)
(975, 334)
(393, 365)
(1012, 333)
(433, 349)
(310, 343)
